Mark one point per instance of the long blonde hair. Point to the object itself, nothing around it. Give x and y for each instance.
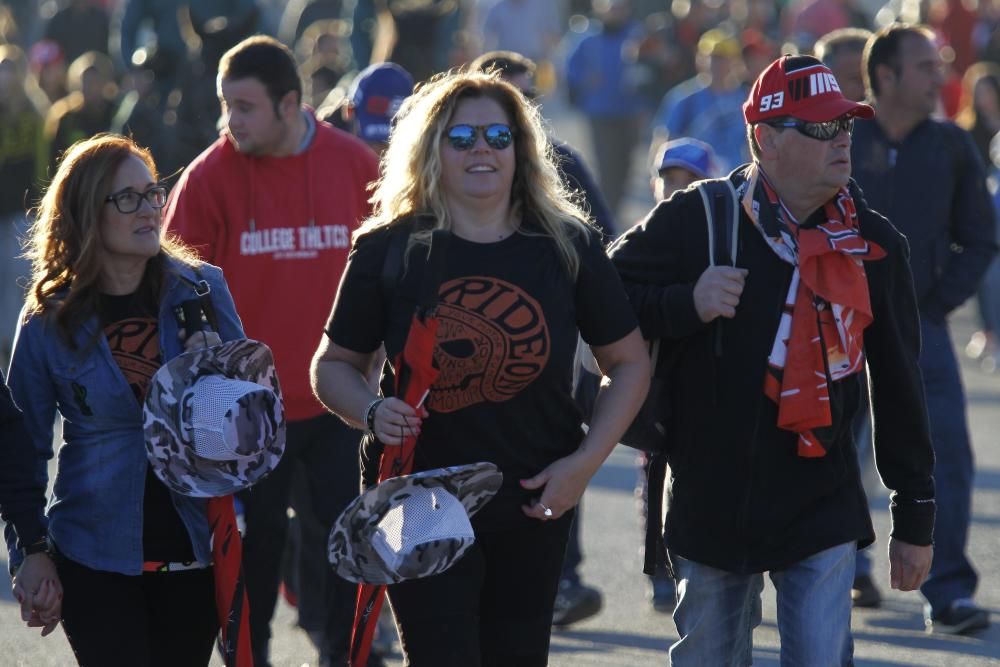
(411, 166)
(64, 243)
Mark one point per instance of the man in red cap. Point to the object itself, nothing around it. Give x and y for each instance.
(764, 359)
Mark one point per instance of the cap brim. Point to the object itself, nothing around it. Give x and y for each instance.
(350, 548)
(683, 164)
(833, 109)
(373, 128)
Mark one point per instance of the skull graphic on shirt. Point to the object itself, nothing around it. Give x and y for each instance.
(493, 341)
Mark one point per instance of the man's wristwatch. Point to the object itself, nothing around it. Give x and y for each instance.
(38, 547)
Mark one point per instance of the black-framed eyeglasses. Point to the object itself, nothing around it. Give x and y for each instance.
(825, 131)
(463, 137)
(129, 201)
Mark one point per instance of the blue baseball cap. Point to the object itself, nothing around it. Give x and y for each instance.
(691, 154)
(376, 94)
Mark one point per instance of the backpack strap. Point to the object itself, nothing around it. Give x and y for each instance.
(203, 291)
(722, 218)
(654, 551)
(392, 267)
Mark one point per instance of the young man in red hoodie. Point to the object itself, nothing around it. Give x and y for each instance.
(274, 202)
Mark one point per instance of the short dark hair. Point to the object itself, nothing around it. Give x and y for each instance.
(267, 60)
(508, 63)
(844, 40)
(883, 49)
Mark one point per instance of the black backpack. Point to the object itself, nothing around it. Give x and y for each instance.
(648, 431)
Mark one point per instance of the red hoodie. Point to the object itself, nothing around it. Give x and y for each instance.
(280, 228)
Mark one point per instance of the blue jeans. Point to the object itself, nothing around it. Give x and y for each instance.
(952, 576)
(717, 612)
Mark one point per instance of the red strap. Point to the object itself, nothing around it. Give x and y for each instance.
(395, 461)
(369, 606)
(230, 593)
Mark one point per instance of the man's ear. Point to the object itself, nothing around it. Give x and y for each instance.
(288, 105)
(886, 78)
(767, 138)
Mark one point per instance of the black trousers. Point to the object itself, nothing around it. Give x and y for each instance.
(151, 620)
(321, 459)
(574, 551)
(493, 608)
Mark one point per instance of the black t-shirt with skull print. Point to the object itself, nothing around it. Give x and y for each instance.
(509, 317)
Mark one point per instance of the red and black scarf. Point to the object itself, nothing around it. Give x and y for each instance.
(820, 336)
(230, 591)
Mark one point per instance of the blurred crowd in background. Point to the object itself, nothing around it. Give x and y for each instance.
(639, 71)
(76, 67)
(71, 68)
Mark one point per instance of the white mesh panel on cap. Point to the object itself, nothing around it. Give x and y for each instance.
(427, 515)
(213, 404)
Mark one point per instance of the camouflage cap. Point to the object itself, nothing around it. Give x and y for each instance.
(353, 546)
(254, 421)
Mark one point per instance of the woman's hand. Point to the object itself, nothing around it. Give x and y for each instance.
(625, 363)
(562, 483)
(38, 590)
(200, 339)
(395, 419)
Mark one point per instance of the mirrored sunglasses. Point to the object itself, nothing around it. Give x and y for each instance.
(463, 137)
(129, 201)
(825, 131)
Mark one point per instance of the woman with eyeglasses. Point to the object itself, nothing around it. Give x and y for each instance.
(132, 557)
(525, 272)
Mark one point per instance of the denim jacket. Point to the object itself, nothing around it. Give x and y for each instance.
(94, 516)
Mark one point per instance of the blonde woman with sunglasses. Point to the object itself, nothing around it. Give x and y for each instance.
(525, 273)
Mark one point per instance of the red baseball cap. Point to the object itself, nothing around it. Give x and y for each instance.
(800, 87)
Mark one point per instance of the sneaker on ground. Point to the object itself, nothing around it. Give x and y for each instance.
(977, 345)
(864, 593)
(961, 617)
(574, 603)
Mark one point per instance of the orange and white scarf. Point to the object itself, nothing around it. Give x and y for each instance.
(821, 334)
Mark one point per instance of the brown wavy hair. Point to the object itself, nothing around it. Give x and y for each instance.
(64, 243)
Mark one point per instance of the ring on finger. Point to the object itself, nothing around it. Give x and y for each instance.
(547, 511)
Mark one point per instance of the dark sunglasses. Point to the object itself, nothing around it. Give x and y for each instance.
(129, 201)
(825, 131)
(463, 137)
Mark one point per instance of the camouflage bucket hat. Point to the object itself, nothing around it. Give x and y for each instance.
(213, 419)
(411, 526)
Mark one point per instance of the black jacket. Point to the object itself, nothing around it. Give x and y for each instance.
(577, 178)
(739, 496)
(932, 186)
